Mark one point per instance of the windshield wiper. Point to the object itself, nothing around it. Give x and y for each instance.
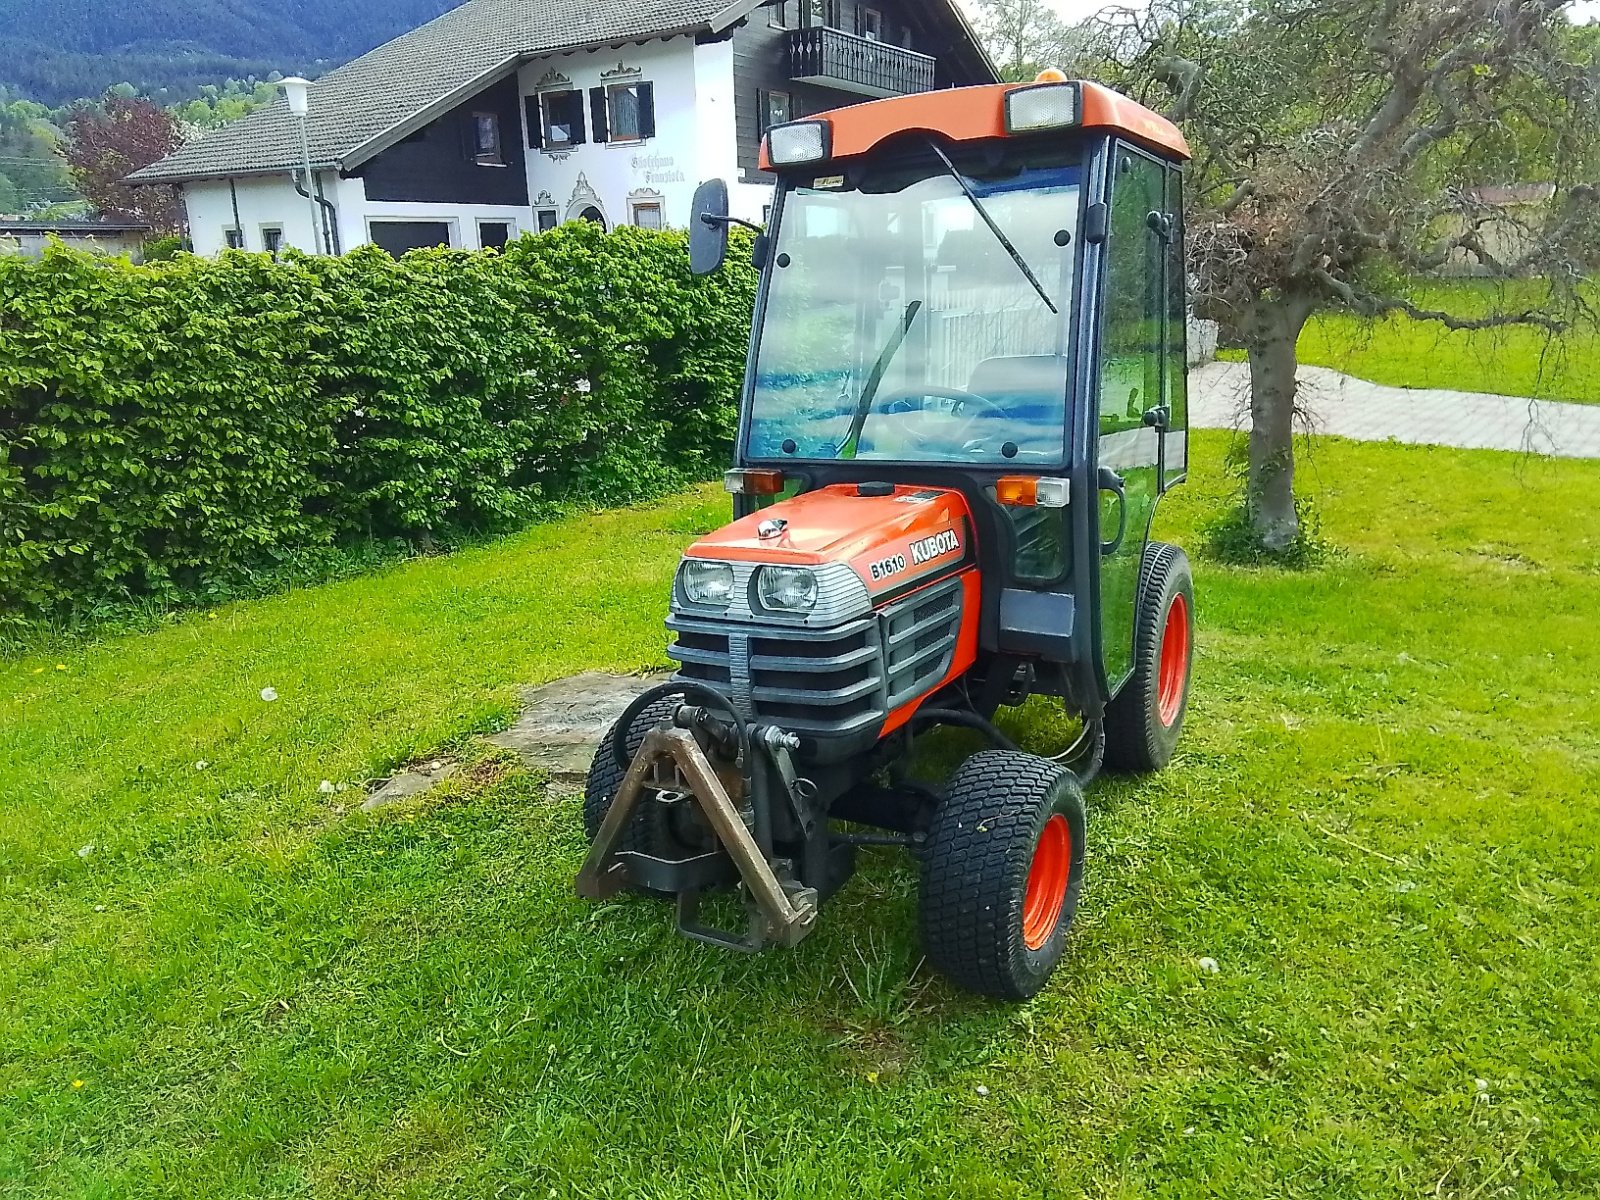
(1000, 234)
(869, 393)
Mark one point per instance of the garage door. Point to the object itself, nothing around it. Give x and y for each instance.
(399, 236)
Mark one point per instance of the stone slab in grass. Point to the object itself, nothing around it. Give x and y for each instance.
(561, 723)
(409, 783)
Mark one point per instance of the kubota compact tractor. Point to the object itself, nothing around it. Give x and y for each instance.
(965, 394)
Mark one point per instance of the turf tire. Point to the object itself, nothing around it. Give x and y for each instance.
(1145, 720)
(976, 866)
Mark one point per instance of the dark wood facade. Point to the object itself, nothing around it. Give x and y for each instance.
(447, 161)
(817, 54)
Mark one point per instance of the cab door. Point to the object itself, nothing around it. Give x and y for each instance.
(1134, 389)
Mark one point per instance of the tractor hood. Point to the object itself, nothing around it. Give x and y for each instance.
(888, 538)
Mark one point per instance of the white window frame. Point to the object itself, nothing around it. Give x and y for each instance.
(867, 16)
(509, 222)
(277, 228)
(450, 223)
(635, 207)
(540, 214)
(229, 232)
(778, 15)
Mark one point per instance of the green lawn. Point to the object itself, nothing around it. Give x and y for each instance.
(1381, 825)
(1401, 352)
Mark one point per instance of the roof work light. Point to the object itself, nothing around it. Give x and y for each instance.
(799, 142)
(1042, 106)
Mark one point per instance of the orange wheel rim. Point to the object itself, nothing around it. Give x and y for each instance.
(1173, 673)
(1047, 883)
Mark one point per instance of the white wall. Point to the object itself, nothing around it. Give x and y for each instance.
(695, 137)
(263, 200)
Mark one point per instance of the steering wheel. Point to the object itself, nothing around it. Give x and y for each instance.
(961, 398)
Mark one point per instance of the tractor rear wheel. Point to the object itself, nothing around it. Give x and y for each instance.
(1145, 719)
(1001, 873)
(643, 833)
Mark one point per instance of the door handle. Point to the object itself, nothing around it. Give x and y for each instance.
(1110, 481)
(1158, 418)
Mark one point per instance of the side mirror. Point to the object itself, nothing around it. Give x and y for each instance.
(708, 227)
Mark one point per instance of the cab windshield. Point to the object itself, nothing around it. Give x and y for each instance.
(899, 326)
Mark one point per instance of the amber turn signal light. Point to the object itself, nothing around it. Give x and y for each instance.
(753, 483)
(1029, 491)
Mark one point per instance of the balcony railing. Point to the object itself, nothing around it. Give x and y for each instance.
(856, 64)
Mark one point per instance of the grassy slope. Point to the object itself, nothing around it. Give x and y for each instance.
(1379, 825)
(1405, 353)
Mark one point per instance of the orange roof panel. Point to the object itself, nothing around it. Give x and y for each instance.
(975, 113)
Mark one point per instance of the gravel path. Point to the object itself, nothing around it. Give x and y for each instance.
(1353, 408)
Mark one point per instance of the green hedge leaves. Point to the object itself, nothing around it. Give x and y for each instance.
(176, 428)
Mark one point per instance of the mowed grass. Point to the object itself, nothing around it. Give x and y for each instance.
(222, 982)
(1511, 361)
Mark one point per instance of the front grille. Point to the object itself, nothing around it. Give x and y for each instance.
(825, 682)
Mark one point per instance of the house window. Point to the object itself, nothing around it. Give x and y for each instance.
(234, 238)
(773, 108)
(630, 113)
(486, 140)
(272, 239)
(647, 214)
(563, 119)
(397, 237)
(870, 21)
(548, 220)
(820, 12)
(494, 234)
(778, 15)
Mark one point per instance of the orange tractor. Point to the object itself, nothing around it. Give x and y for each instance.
(965, 394)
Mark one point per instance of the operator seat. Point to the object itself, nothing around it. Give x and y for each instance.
(1031, 390)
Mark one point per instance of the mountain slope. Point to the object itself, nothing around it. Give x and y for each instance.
(56, 50)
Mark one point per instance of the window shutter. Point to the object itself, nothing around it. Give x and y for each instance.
(575, 103)
(761, 111)
(598, 116)
(469, 137)
(647, 110)
(535, 119)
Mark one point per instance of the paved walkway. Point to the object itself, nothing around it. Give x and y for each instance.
(1354, 408)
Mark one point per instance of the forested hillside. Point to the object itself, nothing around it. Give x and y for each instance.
(58, 50)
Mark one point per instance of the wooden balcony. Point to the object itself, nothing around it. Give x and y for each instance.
(836, 59)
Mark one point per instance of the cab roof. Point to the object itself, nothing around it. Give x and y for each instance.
(971, 114)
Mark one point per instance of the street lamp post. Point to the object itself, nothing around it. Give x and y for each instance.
(298, 93)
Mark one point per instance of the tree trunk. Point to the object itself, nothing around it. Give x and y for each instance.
(1274, 330)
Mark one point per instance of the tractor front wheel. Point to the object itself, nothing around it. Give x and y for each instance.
(1001, 873)
(1145, 719)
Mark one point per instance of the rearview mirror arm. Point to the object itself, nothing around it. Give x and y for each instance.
(712, 220)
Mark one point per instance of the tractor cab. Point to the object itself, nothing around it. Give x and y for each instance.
(965, 394)
(982, 288)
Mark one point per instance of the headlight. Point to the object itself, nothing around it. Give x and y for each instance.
(709, 584)
(787, 589)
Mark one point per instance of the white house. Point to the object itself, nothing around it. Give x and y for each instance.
(508, 116)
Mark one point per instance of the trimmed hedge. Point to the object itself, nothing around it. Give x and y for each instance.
(178, 427)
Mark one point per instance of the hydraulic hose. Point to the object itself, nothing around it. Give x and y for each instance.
(966, 719)
(760, 802)
(687, 689)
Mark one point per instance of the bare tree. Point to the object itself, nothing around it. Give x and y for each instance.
(1025, 36)
(1342, 148)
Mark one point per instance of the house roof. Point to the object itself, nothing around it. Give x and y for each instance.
(361, 108)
